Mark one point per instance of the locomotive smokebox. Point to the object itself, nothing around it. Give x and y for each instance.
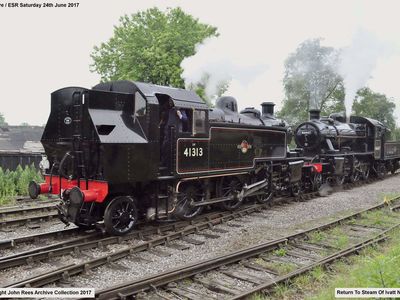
(267, 109)
(314, 114)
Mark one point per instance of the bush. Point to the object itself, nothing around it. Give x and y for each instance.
(16, 182)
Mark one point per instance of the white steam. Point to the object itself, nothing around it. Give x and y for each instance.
(222, 60)
(357, 62)
(255, 70)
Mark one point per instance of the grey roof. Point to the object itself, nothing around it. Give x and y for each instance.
(181, 97)
(359, 119)
(21, 138)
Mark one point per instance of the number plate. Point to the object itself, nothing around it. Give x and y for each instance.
(192, 155)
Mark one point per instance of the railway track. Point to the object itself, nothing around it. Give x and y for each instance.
(25, 214)
(34, 215)
(28, 220)
(26, 200)
(100, 239)
(242, 273)
(7, 212)
(92, 240)
(38, 238)
(166, 235)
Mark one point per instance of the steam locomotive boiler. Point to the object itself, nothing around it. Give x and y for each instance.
(124, 151)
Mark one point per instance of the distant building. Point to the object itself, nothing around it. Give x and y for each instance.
(20, 145)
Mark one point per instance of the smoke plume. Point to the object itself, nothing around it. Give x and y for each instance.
(220, 61)
(357, 62)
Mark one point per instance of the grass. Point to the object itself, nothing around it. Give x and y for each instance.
(282, 290)
(375, 266)
(187, 282)
(280, 252)
(316, 236)
(13, 183)
(317, 274)
(335, 237)
(378, 218)
(280, 267)
(339, 239)
(387, 197)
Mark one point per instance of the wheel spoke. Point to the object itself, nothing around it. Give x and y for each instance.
(120, 215)
(183, 203)
(183, 209)
(230, 187)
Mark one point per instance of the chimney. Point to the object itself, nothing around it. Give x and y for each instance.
(314, 114)
(267, 109)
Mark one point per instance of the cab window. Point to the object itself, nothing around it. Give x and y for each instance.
(140, 105)
(378, 133)
(199, 122)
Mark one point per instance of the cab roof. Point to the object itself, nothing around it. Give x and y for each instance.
(180, 97)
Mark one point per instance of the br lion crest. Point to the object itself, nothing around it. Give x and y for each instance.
(244, 146)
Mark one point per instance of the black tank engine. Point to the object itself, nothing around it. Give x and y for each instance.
(347, 151)
(124, 151)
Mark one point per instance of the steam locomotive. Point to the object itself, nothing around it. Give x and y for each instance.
(125, 151)
(347, 151)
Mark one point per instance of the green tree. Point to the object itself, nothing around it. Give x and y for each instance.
(376, 106)
(310, 81)
(149, 46)
(396, 134)
(200, 89)
(2, 120)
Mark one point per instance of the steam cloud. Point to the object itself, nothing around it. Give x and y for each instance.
(357, 62)
(223, 61)
(255, 73)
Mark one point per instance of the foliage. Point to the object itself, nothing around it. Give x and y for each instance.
(149, 46)
(396, 134)
(316, 236)
(335, 101)
(376, 267)
(280, 252)
(376, 218)
(318, 274)
(311, 81)
(338, 238)
(2, 120)
(282, 291)
(16, 182)
(200, 89)
(376, 106)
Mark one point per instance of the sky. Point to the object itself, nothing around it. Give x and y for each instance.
(44, 49)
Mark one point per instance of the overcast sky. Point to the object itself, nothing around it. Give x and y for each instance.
(44, 49)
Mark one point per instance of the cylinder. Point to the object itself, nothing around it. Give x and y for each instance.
(44, 188)
(89, 195)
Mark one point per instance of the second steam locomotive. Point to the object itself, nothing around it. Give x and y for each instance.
(125, 151)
